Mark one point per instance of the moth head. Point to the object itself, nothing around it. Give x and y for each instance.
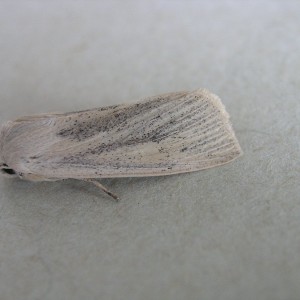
(16, 137)
(5, 169)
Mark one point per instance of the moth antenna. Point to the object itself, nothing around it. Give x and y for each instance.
(103, 188)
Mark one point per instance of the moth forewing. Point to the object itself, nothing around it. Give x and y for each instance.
(161, 135)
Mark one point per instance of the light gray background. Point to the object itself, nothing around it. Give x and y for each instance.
(231, 232)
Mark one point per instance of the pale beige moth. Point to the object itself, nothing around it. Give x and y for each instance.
(162, 135)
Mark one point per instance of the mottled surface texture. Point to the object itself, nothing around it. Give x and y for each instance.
(227, 233)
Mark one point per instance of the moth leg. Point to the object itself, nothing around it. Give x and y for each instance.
(103, 188)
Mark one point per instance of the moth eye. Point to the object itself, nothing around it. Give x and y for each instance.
(8, 171)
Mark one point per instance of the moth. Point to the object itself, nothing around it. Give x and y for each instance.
(161, 135)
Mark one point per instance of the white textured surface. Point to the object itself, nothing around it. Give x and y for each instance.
(227, 233)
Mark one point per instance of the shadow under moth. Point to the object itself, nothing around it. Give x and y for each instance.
(160, 135)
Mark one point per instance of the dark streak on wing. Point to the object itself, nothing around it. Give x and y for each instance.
(142, 129)
(80, 130)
